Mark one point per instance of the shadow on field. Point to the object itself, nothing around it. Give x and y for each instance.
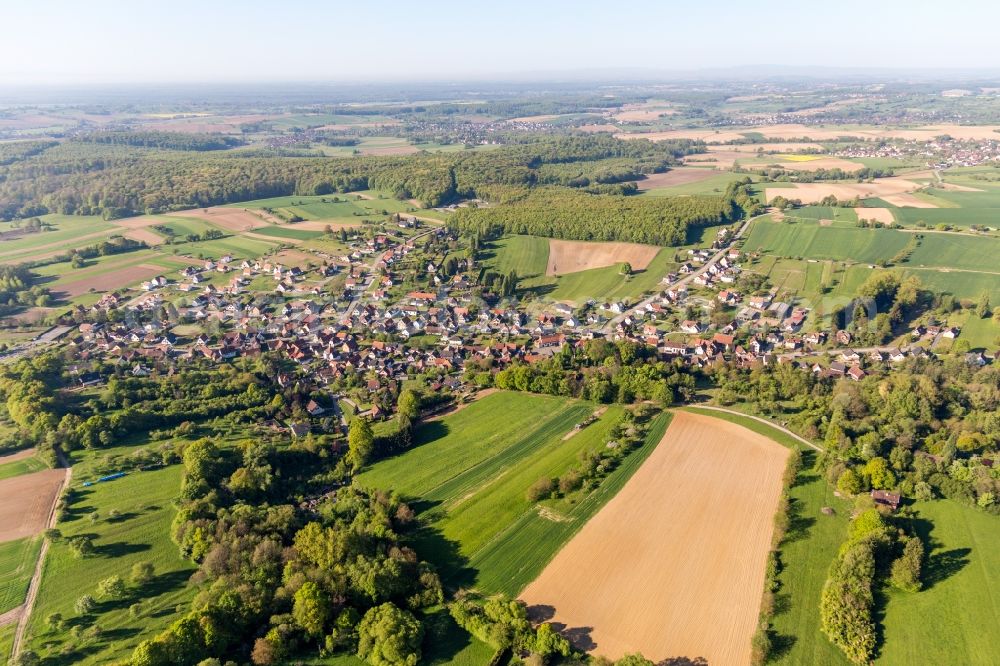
(940, 564)
(120, 548)
(443, 553)
(798, 524)
(945, 564)
(684, 661)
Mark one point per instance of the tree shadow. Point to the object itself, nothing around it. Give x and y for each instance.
(120, 548)
(541, 612)
(798, 524)
(579, 637)
(684, 661)
(943, 565)
(444, 554)
(122, 517)
(781, 644)
(443, 638)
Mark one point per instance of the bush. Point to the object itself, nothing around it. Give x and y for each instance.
(142, 573)
(907, 567)
(84, 604)
(541, 489)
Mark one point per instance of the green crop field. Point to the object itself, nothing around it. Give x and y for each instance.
(526, 255)
(141, 532)
(289, 231)
(809, 240)
(349, 207)
(960, 251)
(70, 232)
(19, 467)
(957, 217)
(955, 619)
(469, 475)
(17, 563)
(182, 226)
(238, 246)
(836, 213)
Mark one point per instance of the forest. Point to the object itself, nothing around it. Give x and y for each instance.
(116, 180)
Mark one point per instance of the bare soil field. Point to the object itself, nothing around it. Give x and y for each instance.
(27, 502)
(673, 566)
(233, 219)
(680, 176)
(598, 128)
(883, 215)
(146, 236)
(907, 201)
(113, 279)
(808, 165)
(798, 131)
(645, 112)
(137, 222)
(571, 256)
(812, 192)
(295, 258)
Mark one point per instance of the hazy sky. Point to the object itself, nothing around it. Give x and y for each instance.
(89, 41)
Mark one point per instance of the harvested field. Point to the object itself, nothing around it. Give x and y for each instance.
(813, 192)
(145, 235)
(27, 502)
(673, 566)
(598, 128)
(808, 165)
(137, 222)
(572, 256)
(113, 279)
(768, 147)
(233, 219)
(799, 131)
(907, 201)
(883, 215)
(321, 225)
(295, 258)
(680, 176)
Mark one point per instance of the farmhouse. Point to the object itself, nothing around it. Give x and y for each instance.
(886, 498)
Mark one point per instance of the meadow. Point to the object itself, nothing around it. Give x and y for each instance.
(140, 532)
(961, 592)
(17, 563)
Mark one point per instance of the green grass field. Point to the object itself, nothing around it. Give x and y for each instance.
(349, 207)
(714, 184)
(6, 640)
(841, 216)
(526, 255)
(955, 619)
(962, 251)
(281, 232)
(809, 240)
(140, 533)
(70, 231)
(17, 563)
(19, 467)
(470, 474)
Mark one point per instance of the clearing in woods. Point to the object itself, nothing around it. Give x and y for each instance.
(27, 502)
(567, 256)
(673, 566)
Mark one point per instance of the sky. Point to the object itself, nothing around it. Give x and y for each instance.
(192, 41)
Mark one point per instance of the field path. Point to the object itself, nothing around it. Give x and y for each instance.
(764, 421)
(673, 566)
(36, 578)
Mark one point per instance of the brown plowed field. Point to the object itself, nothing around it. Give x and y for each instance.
(680, 176)
(27, 501)
(571, 256)
(673, 566)
(113, 279)
(883, 215)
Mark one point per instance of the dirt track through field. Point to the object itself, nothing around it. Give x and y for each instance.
(27, 503)
(673, 566)
(572, 256)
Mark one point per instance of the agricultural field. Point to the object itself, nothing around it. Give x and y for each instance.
(712, 182)
(809, 547)
(21, 465)
(658, 570)
(17, 563)
(346, 208)
(573, 256)
(28, 502)
(810, 240)
(528, 256)
(469, 475)
(139, 533)
(69, 232)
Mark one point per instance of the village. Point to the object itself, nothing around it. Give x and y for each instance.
(352, 328)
